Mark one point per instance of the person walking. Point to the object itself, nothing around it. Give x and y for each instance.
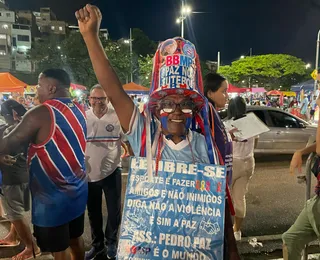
(103, 152)
(242, 167)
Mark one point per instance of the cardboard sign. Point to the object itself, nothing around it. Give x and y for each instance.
(179, 214)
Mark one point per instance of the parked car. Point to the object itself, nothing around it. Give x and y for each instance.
(287, 134)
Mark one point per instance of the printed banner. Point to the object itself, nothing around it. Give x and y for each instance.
(179, 215)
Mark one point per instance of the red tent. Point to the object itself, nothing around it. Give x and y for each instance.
(274, 93)
(234, 89)
(9, 83)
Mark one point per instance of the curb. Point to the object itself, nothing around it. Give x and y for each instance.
(261, 238)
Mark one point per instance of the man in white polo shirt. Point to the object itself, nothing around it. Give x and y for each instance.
(103, 154)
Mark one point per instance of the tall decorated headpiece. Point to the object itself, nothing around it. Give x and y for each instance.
(176, 70)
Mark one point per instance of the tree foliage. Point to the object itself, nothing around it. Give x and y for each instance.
(141, 43)
(270, 71)
(119, 56)
(145, 65)
(71, 55)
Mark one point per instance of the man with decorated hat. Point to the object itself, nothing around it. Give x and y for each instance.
(176, 105)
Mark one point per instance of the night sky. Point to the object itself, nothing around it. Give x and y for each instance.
(230, 26)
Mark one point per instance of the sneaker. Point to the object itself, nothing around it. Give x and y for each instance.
(111, 251)
(102, 255)
(92, 253)
(237, 235)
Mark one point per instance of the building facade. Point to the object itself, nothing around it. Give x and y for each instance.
(7, 19)
(47, 22)
(21, 44)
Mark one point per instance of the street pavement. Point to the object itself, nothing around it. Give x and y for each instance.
(274, 201)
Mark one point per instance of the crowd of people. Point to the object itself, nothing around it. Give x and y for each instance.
(69, 157)
(304, 109)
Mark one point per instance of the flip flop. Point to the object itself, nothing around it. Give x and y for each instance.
(2, 245)
(31, 257)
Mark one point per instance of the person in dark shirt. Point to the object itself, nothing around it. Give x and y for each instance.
(15, 187)
(215, 89)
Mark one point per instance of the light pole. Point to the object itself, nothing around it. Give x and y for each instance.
(317, 61)
(185, 11)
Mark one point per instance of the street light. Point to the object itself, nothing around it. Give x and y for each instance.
(185, 11)
(58, 47)
(308, 66)
(242, 57)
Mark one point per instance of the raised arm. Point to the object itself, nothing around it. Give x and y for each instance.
(24, 132)
(89, 19)
(318, 129)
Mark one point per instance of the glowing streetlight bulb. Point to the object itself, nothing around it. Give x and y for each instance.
(178, 20)
(186, 10)
(126, 41)
(242, 57)
(308, 66)
(59, 48)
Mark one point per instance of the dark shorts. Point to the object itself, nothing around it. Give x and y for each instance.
(57, 239)
(312, 112)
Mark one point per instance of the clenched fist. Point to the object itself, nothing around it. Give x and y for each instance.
(89, 20)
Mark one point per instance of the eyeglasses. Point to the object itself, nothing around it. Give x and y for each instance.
(102, 99)
(169, 106)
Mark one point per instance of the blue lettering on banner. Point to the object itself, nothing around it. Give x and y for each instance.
(176, 75)
(179, 214)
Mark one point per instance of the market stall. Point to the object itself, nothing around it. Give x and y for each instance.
(256, 95)
(10, 84)
(289, 93)
(276, 98)
(234, 89)
(138, 93)
(135, 89)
